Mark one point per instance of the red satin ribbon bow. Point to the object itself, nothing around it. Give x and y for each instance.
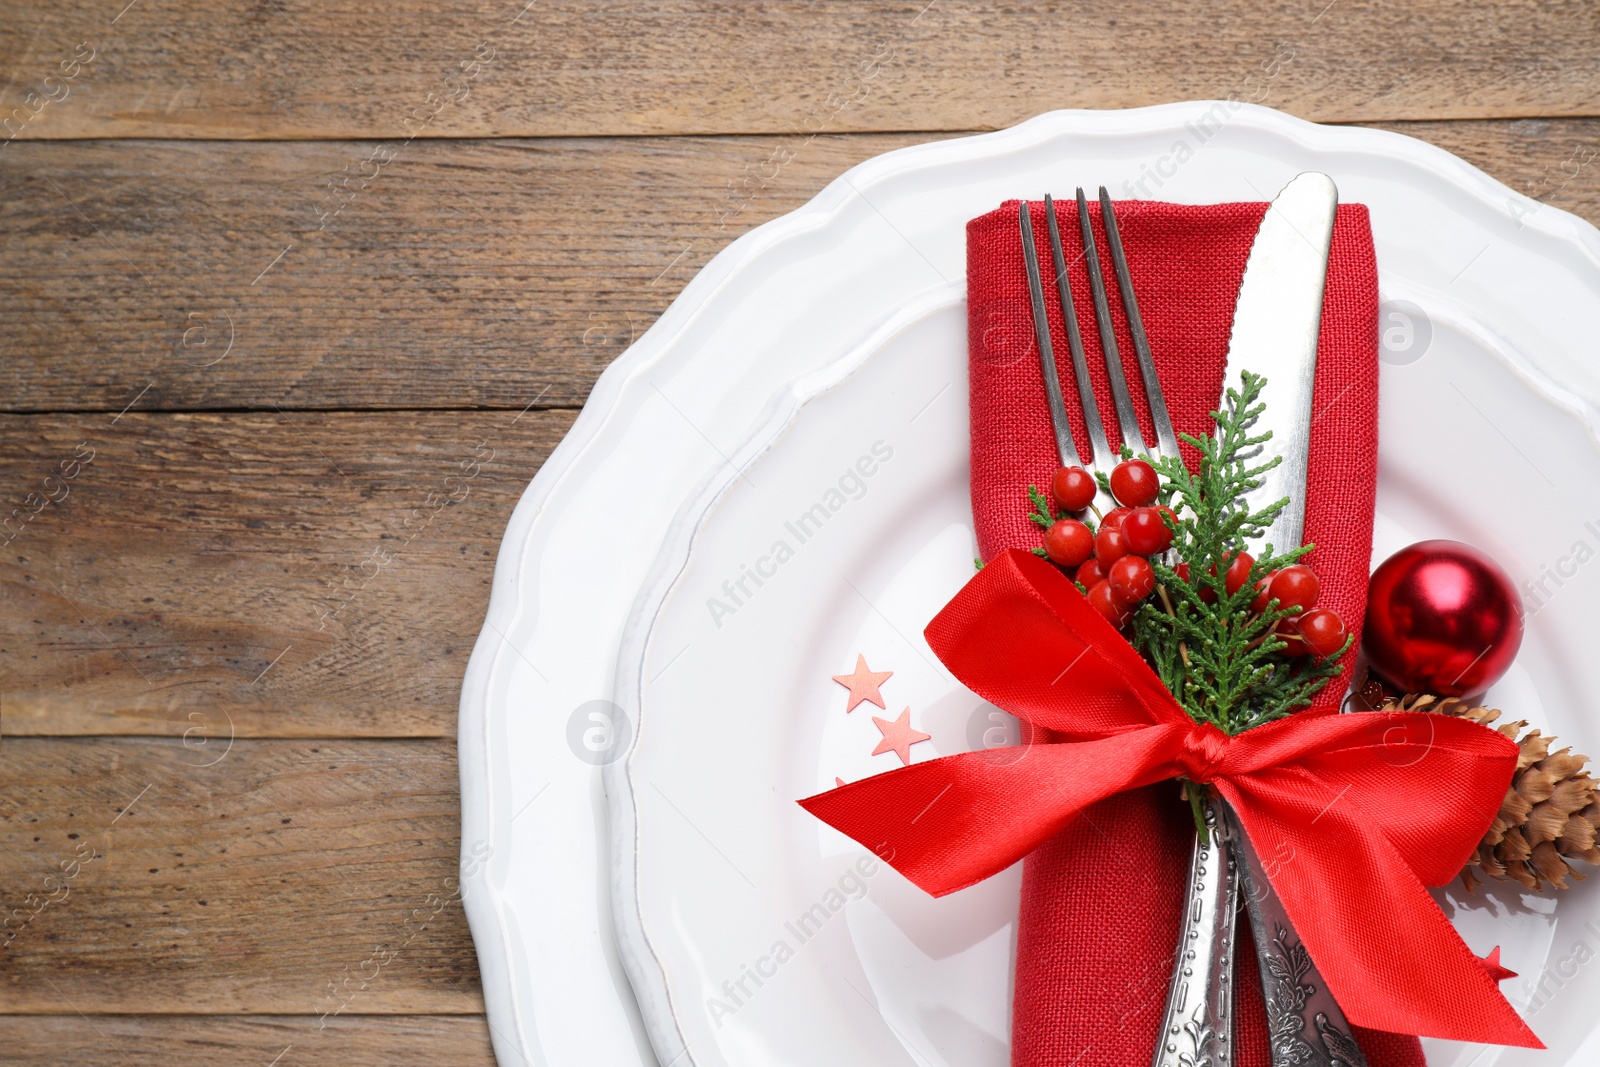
(1353, 815)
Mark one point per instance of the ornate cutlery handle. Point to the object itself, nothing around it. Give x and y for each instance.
(1304, 1024)
(1197, 1026)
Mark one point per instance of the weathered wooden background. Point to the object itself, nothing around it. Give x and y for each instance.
(273, 270)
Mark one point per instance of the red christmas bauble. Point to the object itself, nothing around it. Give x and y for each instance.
(1442, 618)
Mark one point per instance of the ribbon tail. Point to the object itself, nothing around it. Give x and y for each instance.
(948, 823)
(1388, 954)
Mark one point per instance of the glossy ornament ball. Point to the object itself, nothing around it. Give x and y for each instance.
(1442, 618)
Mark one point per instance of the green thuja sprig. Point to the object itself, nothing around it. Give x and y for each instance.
(1043, 515)
(1223, 662)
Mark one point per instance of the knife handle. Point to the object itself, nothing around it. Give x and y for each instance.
(1305, 1026)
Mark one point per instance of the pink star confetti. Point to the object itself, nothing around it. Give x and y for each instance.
(1491, 963)
(898, 736)
(863, 684)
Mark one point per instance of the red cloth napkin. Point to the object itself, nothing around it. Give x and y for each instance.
(1100, 903)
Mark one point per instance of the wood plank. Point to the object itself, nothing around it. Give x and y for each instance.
(288, 877)
(295, 68)
(257, 1040)
(1554, 161)
(468, 274)
(463, 275)
(252, 574)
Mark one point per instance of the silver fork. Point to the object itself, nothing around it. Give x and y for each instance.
(1197, 1024)
(1101, 456)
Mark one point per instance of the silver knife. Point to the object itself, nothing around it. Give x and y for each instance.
(1275, 326)
(1305, 1025)
(1276, 323)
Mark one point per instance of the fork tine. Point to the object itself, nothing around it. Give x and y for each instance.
(1047, 354)
(1166, 439)
(1108, 338)
(1099, 449)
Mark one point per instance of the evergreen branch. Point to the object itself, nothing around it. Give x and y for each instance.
(1043, 514)
(1222, 661)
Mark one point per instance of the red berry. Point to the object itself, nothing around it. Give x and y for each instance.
(1322, 632)
(1204, 592)
(1134, 483)
(1171, 517)
(1295, 587)
(1110, 544)
(1146, 534)
(1091, 573)
(1131, 580)
(1074, 488)
(1105, 602)
(1115, 518)
(1259, 604)
(1292, 645)
(1238, 572)
(1069, 542)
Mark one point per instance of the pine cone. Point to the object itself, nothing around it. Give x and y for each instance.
(1551, 813)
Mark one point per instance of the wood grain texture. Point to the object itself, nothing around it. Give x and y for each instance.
(461, 275)
(288, 877)
(471, 274)
(252, 1040)
(1554, 161)
(295, 68)
(206, 576)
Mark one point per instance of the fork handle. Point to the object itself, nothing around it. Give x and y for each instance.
(1197, 1025)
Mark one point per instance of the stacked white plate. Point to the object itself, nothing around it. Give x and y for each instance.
(772, 481)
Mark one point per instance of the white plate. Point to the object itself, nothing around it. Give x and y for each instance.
(739, 715)
(785, 300)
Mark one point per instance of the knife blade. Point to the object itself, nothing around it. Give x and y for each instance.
(1276, 321)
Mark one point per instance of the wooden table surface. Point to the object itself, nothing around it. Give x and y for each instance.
(275, 271)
